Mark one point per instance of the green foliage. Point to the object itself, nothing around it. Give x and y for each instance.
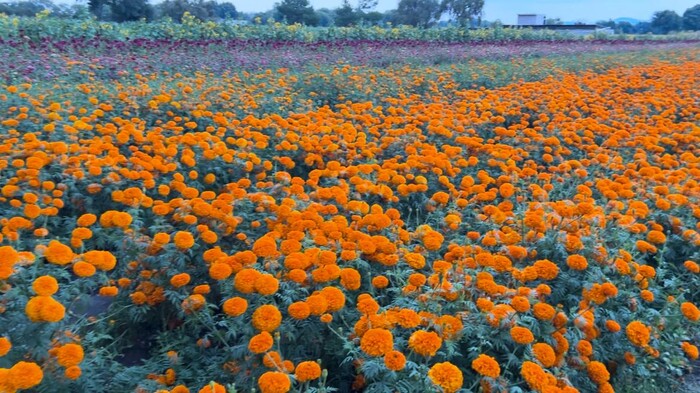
(666, 21)
(691, 18)
(297, 11)
(345, 15)
(420, 13)
(463, 11)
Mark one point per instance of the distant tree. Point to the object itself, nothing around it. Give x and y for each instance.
(642, 28)
(203, 10)
(297, 11)
(625, 27)
(326, 17)
(373, 18)
(691, 18)
(553, 21)
(225, 10)
(21, 8)
(664, 22)
(421, 13)
(463, 11)
(345, 15)
(121, 10)
(130, 10)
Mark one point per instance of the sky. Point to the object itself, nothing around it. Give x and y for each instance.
(507, 10)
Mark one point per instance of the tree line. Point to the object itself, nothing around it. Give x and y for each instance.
(419, 13)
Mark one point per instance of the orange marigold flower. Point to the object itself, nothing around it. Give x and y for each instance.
(543, 311)
(109, 291)
(424, 343)
(380, 282)
(520, 303)
(86, 220)
(521, 335)
(244, 281)
(45, 286)
(647, 271)
(577, 262)
(266, 284)
(70, 355)
(274, 382)
(643, 246)
(220, 271)
(260, 343)
(183, 240)
(209, 237)
(416, 261)
(193, 303)
(534, 375)
(44, 309)
(432, 240)
(265, 247)
(690, 350)
(272, 359)
(487, 366)
(584, 348)
(8, 258)
(5, 346)
(598, 372)
(73, 372)
(266, 318)
(545, 354)
(394, 360)
(690, 311)
(121, 219)
(613, 326)
(84, 269)
(213, 387)
(58, 253)
(138, 297)
(638, 333)
(299, 310)
(334, 297)
(103, 260)
(546, 270)
(377, 342)
(161, 238)
(307, 371)
(367, 305)
(656, 237)
(235, 306)
(317, 303)
(24, 375)
(692, 266)
(447, 376)
(350, 279)
(180, 280)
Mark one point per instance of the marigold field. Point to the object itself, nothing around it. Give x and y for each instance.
(522, 222)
